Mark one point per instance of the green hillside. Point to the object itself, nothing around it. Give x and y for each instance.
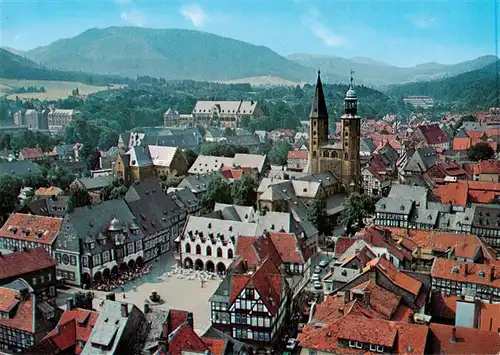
(17, 67)
(477, 89)
(370, 72)
(167, 53)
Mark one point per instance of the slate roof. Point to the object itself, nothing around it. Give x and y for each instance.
(413, 193)
(199, 183)
(96, 183)
(422, 160)
(48, 206)
(20, 263)
(139, 156)
(394, 205)
(318, 106)
(20, 169)
(180, 140)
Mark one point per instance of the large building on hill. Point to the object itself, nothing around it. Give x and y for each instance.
(229, 113)
(340, 158)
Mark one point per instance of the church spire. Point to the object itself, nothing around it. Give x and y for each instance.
(351, 100)
(318, 108)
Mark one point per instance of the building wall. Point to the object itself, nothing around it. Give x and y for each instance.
(351, 167)
(43, 281)
(318, 131)
(141, 173)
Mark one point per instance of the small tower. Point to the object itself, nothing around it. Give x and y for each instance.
(351, 136)
(318, 126)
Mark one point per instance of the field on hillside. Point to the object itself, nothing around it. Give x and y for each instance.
(263, 81)
(53, 89)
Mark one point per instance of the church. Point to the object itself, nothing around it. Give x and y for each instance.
(340, 158)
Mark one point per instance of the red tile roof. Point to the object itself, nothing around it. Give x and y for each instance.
(343, 243)
(176, 318)
(399, 278)
(183, 339)
(381, 300)
(375, 331)
(82, 320)
(433, 134)
(31, 153)
(363, 256)
(23, 316)
(216, 346)
(466, 272)
(25, 227)
(298, 154)
(381, 238)
(260, 248)
(289, 248)
(17, 264)
(443, 306)
(468, 340)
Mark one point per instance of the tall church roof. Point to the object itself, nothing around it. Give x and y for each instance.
(318, 108)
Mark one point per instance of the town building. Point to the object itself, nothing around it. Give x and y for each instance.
(36, 119)
(25, 319)
(341, 158)
(431, 136)
(58, 119)
(97, 241)
(207, 164)
(228, 113)
(172, 117)
(36, 266)
(28, 231)
(198, 184)
(297, 160)
(419, 101)
(32, 154)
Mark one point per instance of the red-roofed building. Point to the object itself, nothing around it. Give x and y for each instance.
(431, 136)
(72, 331)
(453, 277)
(36, 266)
(25, 319)
(461, 193)
(33, 154)
(464, 140)
(29, 231)
(297, 160)
(386, 275)
(233, 174)
(488, 171)
(443, 173)
(251, 304)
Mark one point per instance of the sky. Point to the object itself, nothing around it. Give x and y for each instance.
(403, 33)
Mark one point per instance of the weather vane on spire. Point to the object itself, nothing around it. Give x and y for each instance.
(351, 72)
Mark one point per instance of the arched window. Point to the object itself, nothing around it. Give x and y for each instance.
(198, 249)
(230, 253)
(346, 156)
(188, 248)
(219, 252)
(325, 154)
(334, 155)
(314, 153)
(209, 251)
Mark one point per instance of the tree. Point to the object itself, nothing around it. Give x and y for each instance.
(222, 149)
(279, 153)
(480, 151)
(168, 181)
(243, 191)
(9, 190)
(190, 156)
(356, 208)
(118, 192)
(228, 132)
(78, 197)
(60, 176)
(107, 139)
(218, 191)
(318, 217)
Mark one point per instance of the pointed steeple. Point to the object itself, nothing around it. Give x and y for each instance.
(318, 108)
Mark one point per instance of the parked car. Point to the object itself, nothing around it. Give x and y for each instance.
(291, 344)
(317, 285)
(315, 277)
(317, 269)
(323, 263)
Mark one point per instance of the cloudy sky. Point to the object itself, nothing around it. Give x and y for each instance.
(400, 32)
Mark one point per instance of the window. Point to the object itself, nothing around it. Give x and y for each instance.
(313, 352)
(198, 249)
(359, 345)
(105, 257)
(209, 251)
(219, 252)
(188, 248)
(230, 253)
(373, 347)
(85, 261)
(138, 245)
(58, 258)
(72, 260)
(65, 259)
(96, 260)
(352, 344)
(380, 349)
(130, 248)
(34, 281)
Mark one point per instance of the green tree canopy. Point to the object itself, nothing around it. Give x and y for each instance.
(9, 190)
(78, 197)
(318, 217)
(243, 191)
(279, 153)
(356, 208)
(480, 151)
(222, 149)
(218, 191)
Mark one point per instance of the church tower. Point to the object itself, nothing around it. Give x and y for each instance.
(318, 127)
(350, 139)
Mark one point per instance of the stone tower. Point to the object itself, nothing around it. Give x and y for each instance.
(318, 127)
(350, 139)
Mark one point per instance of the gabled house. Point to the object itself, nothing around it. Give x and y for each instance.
(432, 136)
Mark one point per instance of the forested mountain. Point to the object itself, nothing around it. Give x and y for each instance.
(167, 53)
(477, 89)
(371, 72)
(13, 66)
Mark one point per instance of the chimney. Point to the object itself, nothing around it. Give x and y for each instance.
(70, 303)
(124, 309)
(347, 296)
(366, 297)
(466, 268)
(146, 307)
(110, 296)
(453, 338)
(419, 252)
(341, 311)
(165, 331)
(190, 320)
